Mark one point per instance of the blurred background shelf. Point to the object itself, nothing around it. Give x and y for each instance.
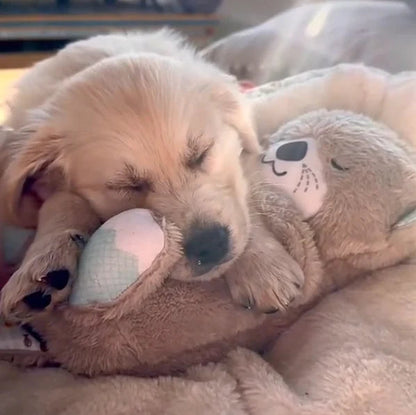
(32, 29)
(74, 6)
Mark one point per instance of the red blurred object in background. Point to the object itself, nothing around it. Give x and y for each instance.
(246, 85)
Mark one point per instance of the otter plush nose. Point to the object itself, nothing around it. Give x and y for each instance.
(207, 247)
(292, 151)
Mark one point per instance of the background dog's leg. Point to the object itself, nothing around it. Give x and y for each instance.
(45, 276)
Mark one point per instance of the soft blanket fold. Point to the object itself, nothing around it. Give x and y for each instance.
(244, 383)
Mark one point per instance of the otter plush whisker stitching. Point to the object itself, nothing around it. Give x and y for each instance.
(293, 166)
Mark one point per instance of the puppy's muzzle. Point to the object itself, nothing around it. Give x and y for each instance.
(206, 247)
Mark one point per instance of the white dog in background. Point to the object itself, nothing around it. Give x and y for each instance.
(318, 35)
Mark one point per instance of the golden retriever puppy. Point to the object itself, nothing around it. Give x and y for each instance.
(117, 122)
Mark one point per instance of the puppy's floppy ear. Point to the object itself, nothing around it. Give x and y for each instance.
(237, 113)
(31, 175)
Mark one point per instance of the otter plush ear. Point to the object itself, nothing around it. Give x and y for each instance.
(407, 221)
(237, 112)
(31, 175)
(402, 239)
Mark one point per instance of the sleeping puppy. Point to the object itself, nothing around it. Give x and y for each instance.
(123, 121)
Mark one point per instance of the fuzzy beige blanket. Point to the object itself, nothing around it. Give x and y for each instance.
(354, 354)
(208, 390)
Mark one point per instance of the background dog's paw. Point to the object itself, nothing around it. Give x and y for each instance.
(44, 278)
(266, 282)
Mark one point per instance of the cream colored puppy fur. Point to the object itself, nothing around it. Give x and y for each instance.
(123, 121)
(317, 355)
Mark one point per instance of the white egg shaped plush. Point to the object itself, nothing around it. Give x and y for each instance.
(116, 255)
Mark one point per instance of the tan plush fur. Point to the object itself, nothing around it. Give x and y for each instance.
(149, 349)
(122, 121)
(376, 191)
(352, 354)
(56, 392)
(383, 97)
(150, 339)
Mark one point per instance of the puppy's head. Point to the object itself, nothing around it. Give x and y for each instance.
(354, 180)
(146, 131)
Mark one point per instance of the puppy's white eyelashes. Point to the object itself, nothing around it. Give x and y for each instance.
(127, 190)
(197, 160)
(129, 180)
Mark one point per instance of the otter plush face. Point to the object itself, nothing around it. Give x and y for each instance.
(352, 178)
(297, 167)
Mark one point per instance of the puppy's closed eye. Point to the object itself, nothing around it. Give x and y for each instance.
(197, 159)
(129, 180)
(198, 149)
(127, 190)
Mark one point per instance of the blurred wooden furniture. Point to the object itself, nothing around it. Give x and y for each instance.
(78, 25)
(31, 29)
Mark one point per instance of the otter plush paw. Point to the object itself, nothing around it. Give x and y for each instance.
(265, 278)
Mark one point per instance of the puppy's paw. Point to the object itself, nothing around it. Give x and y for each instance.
(44, 278)
(265, 281)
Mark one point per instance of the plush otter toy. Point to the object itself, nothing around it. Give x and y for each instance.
(336, 188)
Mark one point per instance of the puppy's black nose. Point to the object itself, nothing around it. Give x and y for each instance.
(295, 151)
(206, 247)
